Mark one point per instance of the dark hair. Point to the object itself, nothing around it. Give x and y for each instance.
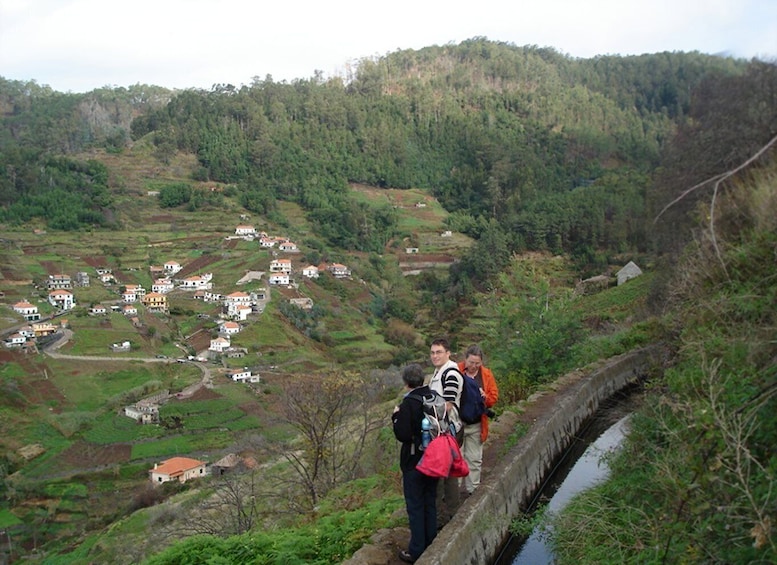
(413, 375)
(474, 350)
(443, 342)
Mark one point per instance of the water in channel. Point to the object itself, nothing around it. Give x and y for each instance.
(581, 468)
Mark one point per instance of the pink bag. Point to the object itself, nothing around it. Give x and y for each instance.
(459, 466)
(442, 459)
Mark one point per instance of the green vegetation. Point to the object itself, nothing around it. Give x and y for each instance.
(336, 534)
(695, 479)
(546, 170)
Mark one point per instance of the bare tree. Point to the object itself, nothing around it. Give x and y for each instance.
(334, 415)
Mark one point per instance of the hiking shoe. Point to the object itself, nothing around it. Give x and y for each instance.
(405, 556)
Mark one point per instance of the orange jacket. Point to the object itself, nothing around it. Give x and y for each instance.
(492, 395)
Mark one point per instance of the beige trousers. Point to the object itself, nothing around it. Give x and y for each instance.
(472, 450)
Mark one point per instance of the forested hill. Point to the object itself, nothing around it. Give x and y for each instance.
(529, 148)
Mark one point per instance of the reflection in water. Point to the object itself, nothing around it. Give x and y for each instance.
(589, 469)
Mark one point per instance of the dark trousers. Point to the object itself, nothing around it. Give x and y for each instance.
(421, 502)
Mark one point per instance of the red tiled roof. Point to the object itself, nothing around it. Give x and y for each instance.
(177, 466)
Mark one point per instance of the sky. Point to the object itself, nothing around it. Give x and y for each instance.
(81, 45)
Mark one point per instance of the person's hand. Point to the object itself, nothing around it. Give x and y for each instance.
(396, 409)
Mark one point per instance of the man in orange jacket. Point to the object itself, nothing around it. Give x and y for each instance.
(476, 434)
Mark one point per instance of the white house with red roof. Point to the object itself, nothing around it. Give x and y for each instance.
(129, 310)
(229, 328)
(196, 282)
(339, 270)
(98, 310)
(179, 469)
(62, 299)
(288, 247)
(219, 344)
(132, 293)
(162, 286)
(279, 279)
(27, 310)
(241, 312)
(311, 272)
(280, 266)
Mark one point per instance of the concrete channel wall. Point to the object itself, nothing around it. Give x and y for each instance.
(479, 529)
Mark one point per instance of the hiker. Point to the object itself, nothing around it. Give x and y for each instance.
(420, 490)
(476, 434)
(447, 382)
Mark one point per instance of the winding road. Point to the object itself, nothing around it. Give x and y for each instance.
(52, 350)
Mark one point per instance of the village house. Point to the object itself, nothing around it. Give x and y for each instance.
(133, 293)
(27, 331)
(28, 311)
(241, 312)
(310, 272)
(339, 271)
(106, 278)
(219, 344)
(230, 462)
(235, 302)
(446, 233)
(172, 267)
(162, 286)
(288, 247)
(155, 302)
(157, 272)
(62, 299)
(15, 340)
(129, 310)
(229, 328)
(122, 347)
(143, 413)
(43, 329)
(82, 279)
(628, 272)
(98, 310)
(196, 282)
(59, 281)
(411, 250)
(235, 352)
(280, 266)
(242, 375)
(279, 279)
(181, 469)
(244, 230)
(267, 241)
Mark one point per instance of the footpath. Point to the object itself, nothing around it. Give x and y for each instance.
(385, 544)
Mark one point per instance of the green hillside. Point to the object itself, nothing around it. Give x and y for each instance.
(482, 191)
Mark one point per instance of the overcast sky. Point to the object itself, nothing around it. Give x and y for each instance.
(80, 45)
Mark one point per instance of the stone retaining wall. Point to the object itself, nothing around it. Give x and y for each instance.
(480, 527)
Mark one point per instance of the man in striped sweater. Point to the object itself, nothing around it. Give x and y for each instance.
(448, 382)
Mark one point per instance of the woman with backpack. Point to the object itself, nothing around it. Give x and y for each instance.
(420, 490)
